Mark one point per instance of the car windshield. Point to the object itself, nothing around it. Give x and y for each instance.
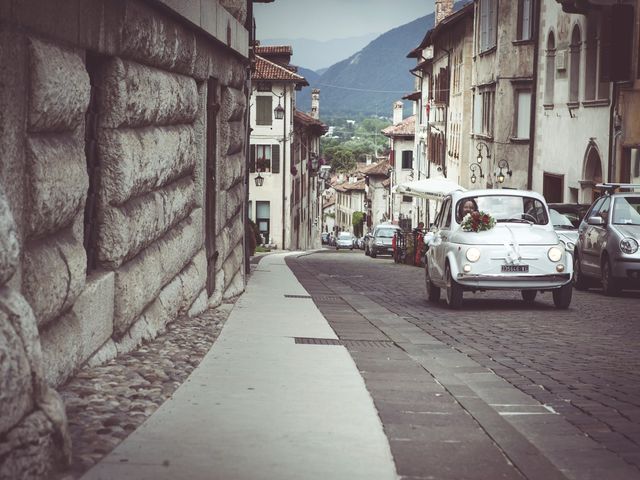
(386, 233)
(560, 220)
(344, 236)
(626, 211)
(510, 208)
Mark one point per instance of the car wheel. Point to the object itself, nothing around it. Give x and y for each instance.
(609, 284)
(580, 282)
(337, 248)
(453, 291)
(366, 251)
(562, 296)
(529, 296)
(373, 253)
(433, 292)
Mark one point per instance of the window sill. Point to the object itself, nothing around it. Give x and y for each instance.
(527, 41)
(488, 51)
(596, 103)
(482, 136)
(548, 106)
(518, 140)
(573, 104)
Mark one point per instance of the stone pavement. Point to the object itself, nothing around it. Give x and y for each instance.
(263, 404)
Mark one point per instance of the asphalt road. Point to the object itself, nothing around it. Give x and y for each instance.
(498, 389)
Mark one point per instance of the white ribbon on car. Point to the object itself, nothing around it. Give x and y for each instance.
(513, 256)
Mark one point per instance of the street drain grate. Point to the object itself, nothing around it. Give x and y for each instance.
(317, 341)
(327, 298)
(369, 343)
(297, 296)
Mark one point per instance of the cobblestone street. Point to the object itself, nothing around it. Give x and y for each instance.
(582, 362)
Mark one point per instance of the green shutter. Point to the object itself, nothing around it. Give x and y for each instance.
(275, 158)
(263, 110)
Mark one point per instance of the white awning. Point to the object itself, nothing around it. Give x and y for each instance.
(430, 188)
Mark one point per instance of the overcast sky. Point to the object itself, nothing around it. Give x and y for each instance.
(329, 19)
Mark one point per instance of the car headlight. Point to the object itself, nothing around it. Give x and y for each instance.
(629, 245)
(554, 254)
(473, 254)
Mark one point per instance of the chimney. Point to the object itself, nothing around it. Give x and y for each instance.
(397, 112)
(315, 103)
(444, 8)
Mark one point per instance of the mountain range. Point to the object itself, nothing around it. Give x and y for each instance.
(372, 79)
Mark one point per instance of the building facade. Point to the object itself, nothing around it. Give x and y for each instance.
(122, 191)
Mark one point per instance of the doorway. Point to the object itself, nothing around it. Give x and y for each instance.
(553, 188)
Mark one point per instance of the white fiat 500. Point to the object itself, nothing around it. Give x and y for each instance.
(496, 240)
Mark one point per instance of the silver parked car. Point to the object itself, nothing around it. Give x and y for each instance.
(381, 242)
(608, 239)
(344, 240)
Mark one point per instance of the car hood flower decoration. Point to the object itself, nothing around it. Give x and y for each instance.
(477, 222)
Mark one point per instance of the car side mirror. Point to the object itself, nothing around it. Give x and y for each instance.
(595, 221)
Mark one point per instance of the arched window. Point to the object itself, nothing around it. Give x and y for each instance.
(574, 72)
(550, 73)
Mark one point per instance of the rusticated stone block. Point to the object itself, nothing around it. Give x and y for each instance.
(232, 137)
(133, 95)
(234, 104)
(139, 281)
(199, 305)
(54, 275)
(75, 336)
(124, 231)
(58, 179)
(156, 40)
(235, 200)
(16, 389)
(106, 352)
(135, 162)
(59, 88)
(9, 244)
(231, 170)
(233, 262)
(30, 450)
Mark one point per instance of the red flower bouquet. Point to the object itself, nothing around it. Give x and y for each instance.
(477, 222)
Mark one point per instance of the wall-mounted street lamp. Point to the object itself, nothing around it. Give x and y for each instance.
(503, 165)
(475, 167)
(479, 146)
(278, 112)
(259, 180)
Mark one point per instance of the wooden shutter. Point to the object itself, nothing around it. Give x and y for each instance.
(484, 25)
(263, 110)
(275, 158)
(252, 159)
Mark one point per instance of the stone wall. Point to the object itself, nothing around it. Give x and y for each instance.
(103, 219)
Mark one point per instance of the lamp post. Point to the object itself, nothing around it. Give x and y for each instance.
(475, 167)
(278, 112)
(503, 165)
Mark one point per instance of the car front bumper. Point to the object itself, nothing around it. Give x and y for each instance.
(513, 281)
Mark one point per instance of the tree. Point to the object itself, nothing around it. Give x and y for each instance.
(357, 220)
(343, 161)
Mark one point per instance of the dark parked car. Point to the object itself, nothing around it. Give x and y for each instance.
(608, 240)
(381, 240)
(566, 218)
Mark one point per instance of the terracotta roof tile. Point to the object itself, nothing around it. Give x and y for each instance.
(273, 50)
(406, 128)
(308, 121)
(266, 70)
(379, 168)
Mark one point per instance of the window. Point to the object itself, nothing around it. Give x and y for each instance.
(522, 113)
(550, 74)
(407, 159)
(265, 158)
(483, 104)
(407, 199)
(525, 17)
(574, 72)
(457, 72)
(595, 87)
(263, 216)
(487, 25)
(264, 110)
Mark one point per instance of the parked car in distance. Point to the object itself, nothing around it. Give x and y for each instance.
(381, 240)
(608, 239)
(325, 238)
(521, 251)
(344, 240)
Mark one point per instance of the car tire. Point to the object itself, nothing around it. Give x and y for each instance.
(562, 296)
(580, 282)
(610, 285)
(373, 253)
(529, 296)
(453, 291)
(433, 292)
(366, 251)
(337, 248)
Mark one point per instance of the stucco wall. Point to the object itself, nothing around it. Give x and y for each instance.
(103, 129)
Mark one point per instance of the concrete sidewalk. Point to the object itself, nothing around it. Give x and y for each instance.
(260, 406)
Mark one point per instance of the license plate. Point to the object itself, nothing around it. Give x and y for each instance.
(515, 268)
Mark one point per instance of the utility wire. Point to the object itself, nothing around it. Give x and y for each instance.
(361, 89)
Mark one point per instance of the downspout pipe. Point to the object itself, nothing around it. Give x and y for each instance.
(534, 96)
(247, 228)
(613, 135)
(284, 165)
